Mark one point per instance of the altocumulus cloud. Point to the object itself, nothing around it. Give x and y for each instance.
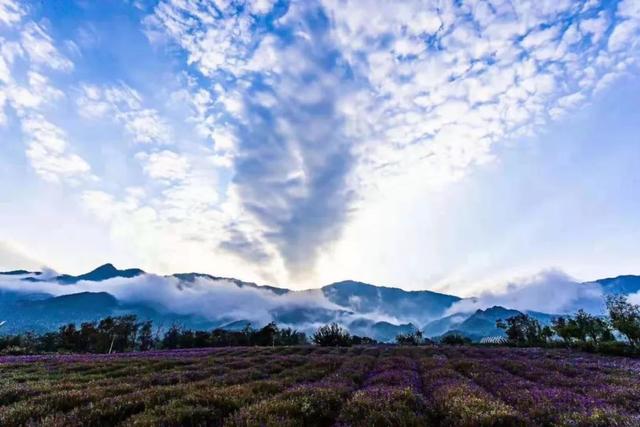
(320, 104)
(26, 53)
(311, 112)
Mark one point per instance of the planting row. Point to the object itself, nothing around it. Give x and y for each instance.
(315, 386)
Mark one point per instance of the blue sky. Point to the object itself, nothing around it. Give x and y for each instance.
(449, 145)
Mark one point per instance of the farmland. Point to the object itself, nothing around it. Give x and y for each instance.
(322, 386)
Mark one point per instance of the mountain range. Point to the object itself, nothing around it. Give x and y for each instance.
(42, 301)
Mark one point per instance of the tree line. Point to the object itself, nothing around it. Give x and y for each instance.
(126, 333)
(582, 330)
(117, 334)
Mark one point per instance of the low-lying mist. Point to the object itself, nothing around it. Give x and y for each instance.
(550, 291)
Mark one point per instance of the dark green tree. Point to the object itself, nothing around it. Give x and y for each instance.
(410, 338)
(332, 335)
(455, 339)
(145, 337)
(171, 338)
(523, 329)
(625, 317)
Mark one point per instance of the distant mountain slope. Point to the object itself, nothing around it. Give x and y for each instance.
(359, 297)
(376, 311)
(19, 273)
(104, 272)
(381, 331)
(482, 323)
(191, 277)
(83, 302)
(42, 312)
(440, 326)
(620, 285)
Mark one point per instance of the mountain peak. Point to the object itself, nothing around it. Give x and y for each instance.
(104, 272)
(105, 268)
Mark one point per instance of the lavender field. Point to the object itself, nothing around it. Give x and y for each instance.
(316, 386)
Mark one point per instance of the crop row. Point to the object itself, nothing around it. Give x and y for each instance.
(313, 386)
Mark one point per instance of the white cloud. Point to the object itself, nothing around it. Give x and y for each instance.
(13, 257)
(125, 105)
(595, 27)
(28, 90)
(48, 152)
(99, 203)
(223, 41)
(200, 297)
(179, 229)
(261, 7)
(547, 292)
(622, 35)
(36, 94)
(629, 9)
(146, 126)
(416, 97)
(38, 45)
(164, 165)
(10, 12)
(3, 101)
(97, 102)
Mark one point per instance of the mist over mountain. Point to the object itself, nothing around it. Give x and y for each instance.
(40, 302)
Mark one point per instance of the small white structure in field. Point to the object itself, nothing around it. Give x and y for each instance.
(493, 340)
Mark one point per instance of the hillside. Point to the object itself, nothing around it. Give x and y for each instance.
(378, 311)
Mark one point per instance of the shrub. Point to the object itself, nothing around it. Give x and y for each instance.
(410, 338)
(307, 406)
(523, 329)
(384, 406)
(455, 339)
(332, 335)
(625, 317)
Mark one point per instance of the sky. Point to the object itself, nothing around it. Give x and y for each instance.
(448, 145)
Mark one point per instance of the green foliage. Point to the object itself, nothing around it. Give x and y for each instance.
(270, 335)
(612, 348)
(381, 406)
(625, 317)
(112, 334)
(125, 334)
(523, 329)
(463, 405)
(321, 386)
(172, 338)
(410, 338)
(145, 338)
(455, 339)
(332, 335)
(304, 406)
(582, 327)
(357, 340)
(288, 336)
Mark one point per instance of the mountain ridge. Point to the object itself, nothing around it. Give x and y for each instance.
(366, 309)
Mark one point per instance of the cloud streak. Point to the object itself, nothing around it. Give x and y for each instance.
(29, 92)
(291, 157)
(125, 105)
